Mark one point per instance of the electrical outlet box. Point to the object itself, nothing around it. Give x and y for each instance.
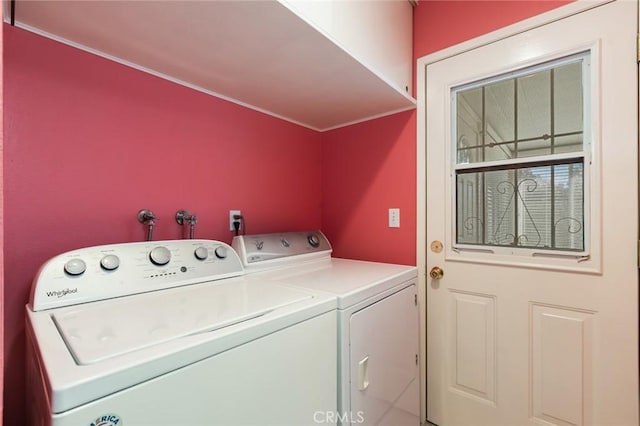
(394, 218)
(233, 213)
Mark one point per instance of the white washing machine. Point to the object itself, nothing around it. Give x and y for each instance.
(172, 333)
(378, 321)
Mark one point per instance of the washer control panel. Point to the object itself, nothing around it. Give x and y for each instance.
(104, 272)
(254, 249)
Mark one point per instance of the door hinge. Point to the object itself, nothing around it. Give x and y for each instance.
(417, 359)
(638, 253)
(415, 296)
(638, 47)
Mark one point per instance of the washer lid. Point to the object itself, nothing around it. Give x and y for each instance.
(98, 331)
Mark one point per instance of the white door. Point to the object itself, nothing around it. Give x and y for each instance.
(532, 190)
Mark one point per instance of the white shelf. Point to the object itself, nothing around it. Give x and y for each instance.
(260, 54)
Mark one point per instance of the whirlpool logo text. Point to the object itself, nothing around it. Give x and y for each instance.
(62, 293)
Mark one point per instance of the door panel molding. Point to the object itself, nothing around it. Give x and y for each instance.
(473, 322)
(562, 346)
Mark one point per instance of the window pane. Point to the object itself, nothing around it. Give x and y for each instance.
(499, 105)
(534, 147)
(534, 105)
(569, 143)
(469, 155)
(499, 207)
(534, 207)
(533, 114)
(503, 151)
(469, 120)
(569, 213)
(568, 99)
(470, 223)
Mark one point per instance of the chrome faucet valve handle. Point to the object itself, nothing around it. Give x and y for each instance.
(193, 219)
(181, 216)
(146, 216)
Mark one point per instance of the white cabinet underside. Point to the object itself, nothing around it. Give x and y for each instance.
(258, 54)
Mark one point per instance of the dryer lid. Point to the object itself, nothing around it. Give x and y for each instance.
(102, 330)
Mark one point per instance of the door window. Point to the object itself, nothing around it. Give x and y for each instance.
(521, 158)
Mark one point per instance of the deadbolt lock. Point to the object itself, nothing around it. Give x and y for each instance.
(436, 273)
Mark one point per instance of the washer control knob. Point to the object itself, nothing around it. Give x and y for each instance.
(160, 256)
(75, 267)
(313, 240)
(221, 252)
(201, 253)
(110, 262)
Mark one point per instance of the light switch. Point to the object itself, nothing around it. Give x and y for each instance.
(394, 218)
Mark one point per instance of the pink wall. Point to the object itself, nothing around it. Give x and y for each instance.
(369, 168)
(90, 142)
(438, 24)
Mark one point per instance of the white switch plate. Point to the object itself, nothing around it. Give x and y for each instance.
(394, 218)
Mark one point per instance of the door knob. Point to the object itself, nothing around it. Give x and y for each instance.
(436, 273)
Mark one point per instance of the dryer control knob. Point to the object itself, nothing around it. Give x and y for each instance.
(160, 256)
(221, 252)
(75, 267)
(313, 240)
(201, 253)
(110, 262)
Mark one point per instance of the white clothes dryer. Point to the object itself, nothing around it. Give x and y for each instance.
(378, 321)
(172, 333)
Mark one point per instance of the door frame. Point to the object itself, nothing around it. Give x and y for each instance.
(421, 160)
